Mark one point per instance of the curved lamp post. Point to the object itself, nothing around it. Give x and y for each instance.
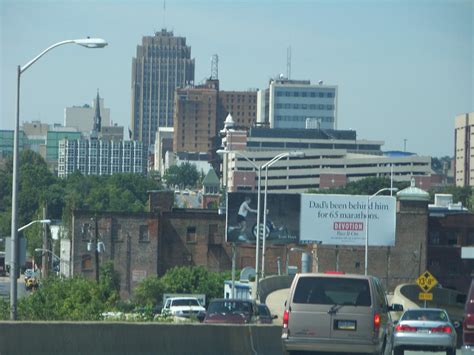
(257, 243)
(85, 42)
(266, 166)
(391, 189)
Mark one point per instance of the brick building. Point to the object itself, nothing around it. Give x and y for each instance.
(144, 244)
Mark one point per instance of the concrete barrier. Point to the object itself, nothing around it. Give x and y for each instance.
(74, 338)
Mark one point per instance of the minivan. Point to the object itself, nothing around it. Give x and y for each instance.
(337, 312)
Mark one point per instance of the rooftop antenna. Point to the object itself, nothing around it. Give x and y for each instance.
(164, 13)
(215, 67)
(288, 62)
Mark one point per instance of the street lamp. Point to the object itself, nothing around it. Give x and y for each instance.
(257, 242)
(391, 189)
(85, 42)
(43, 221)
(266, 166)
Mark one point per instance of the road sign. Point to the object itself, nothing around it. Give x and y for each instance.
(424, 296)
(426, 281)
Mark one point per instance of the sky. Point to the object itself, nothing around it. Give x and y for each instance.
(404, 69)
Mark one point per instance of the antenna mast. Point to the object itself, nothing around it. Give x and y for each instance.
(288, 62)
(164, 13)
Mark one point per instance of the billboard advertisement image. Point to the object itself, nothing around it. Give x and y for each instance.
(342, 219)
(282, 221)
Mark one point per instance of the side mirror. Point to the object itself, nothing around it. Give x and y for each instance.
(274, 316)
(395, 308)
(457, 324)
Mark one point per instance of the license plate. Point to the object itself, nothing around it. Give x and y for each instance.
(346, 325)
(426, 331)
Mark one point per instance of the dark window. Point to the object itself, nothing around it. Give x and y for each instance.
(86, 262)
(328, 290)
(143, 235)
(191, 235)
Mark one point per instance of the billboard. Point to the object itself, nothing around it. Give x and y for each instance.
(342, 219)
(282, 223)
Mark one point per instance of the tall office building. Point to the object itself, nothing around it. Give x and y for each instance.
(463, 148)
(297, 104)
(163, 63)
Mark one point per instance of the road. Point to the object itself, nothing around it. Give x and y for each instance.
(5, 287)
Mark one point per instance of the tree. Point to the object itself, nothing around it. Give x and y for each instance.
(74, 298)
(184, 175)
(367, 186)
(149, 292)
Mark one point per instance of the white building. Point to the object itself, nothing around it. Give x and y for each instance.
(297, 104)
(82, 117)
(100, 157)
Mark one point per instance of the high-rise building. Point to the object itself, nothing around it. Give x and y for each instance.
(163, 63)
(195, 118)
(242, 105)
(463, 147)
(297, 104)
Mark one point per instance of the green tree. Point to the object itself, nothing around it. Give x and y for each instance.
(367, 186)
(149, 292)
(109, 284)
(184, 175)
(72, 299)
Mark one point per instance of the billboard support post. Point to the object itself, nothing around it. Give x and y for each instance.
(391, 189)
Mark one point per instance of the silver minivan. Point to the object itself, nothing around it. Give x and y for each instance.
(336, 312)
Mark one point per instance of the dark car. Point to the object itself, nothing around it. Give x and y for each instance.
(231, 311)
(264, 314)
(468, 323)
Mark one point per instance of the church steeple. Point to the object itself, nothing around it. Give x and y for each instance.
(97, 118)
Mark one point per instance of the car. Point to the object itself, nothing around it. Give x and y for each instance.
(264, 314)
(428, 329)
(468, 323)
(337, 312)
(231, 311)
(185, 307)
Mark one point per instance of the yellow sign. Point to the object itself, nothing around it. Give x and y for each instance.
(424, 296)
(426, 281)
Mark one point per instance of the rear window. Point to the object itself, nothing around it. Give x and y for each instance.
(229, 307)
(422, 314)
(332, 290)
(263, 310)
(185, 302)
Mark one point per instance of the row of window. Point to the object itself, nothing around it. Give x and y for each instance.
(304, 94)
(305, 106)
(328, 119)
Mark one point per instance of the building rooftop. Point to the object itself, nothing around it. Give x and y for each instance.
(303, 133)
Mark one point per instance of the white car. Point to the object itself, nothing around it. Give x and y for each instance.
(182, 307)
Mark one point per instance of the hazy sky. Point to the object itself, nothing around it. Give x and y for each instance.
(404, 68)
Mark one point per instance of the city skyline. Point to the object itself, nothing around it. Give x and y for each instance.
(404, 69)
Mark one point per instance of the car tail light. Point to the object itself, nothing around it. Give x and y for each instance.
(442, 329)
(404, 328)
(376, 321)
(286, 318)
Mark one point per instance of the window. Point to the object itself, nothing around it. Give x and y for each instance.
(191, 235)
(86, 262)
(143, 234)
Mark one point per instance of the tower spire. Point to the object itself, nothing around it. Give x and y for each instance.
(97, 119)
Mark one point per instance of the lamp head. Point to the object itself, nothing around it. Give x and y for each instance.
(45, 221)
(222, 152)
(91, 42)
(297, 154)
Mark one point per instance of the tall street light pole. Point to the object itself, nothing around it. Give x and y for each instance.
(391, 189)
(257, 242)
(85, 42)
(266, 166)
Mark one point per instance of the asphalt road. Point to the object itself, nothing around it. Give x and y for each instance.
(5, 287)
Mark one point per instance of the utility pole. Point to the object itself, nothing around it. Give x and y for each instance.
(45, 256)
(96, 244)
